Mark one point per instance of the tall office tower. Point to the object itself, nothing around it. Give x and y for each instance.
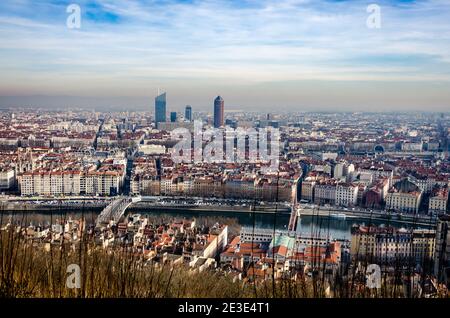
(188, 113)
(173, 117)
(218, 112)
(160, 108)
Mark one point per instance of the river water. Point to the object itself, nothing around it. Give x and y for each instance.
(307, 225)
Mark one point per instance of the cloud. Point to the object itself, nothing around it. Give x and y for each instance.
(219, 42)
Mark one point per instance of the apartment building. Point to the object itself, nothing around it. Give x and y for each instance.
(50, 183)
(145, 185)
(404, 196)
(375, 196)
(103, 183)
(307, 191)
(387, 244)
(346, 194)
(74, 182)
(438, 201)
(325, 192)
(403, 202)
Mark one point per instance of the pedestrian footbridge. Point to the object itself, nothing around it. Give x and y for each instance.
(115, 210)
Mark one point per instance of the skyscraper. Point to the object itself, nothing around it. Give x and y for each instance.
(218, 112)
(160, 108)
(173, 117)
(188, 113)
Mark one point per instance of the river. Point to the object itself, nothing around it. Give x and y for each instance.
(308, 225)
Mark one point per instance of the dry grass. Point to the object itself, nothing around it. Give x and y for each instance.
(27, 269)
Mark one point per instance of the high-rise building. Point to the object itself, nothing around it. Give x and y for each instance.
(218, 112)
(160, 108)
(173, 117)
(188, 113)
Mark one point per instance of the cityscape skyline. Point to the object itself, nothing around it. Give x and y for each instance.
(123, 174)
(160, 102)
(334, 174)
(307, 55)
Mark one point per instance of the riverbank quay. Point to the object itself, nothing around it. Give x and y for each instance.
(410, 219)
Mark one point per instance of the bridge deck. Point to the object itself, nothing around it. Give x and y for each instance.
(115, 210)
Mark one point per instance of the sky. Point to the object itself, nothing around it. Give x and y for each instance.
(267, 55)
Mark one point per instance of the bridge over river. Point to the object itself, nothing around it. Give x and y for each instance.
(115, 210)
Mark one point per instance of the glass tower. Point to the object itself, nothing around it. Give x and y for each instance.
(188, 113)
(173, 117)
(160, 108)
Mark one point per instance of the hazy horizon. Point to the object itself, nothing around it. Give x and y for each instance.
(60, 103)
(126, 103)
